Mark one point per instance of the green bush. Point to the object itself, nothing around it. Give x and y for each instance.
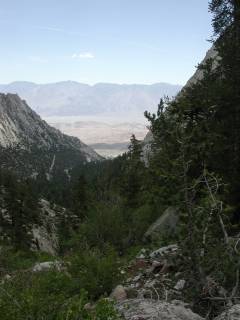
(97, 272)
(13, 260)
(48, 296)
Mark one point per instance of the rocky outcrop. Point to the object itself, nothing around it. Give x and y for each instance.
(154, 287)
(233, 313)
(47, 266)
(146, 148)
(154, 274)
(29, 146)
(167, 250)
(146, 309)
(44, 234)
(166, 224)
(198, 75)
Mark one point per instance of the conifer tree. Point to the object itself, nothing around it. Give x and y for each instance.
(134, 173)
(226, 23)
(80, 198)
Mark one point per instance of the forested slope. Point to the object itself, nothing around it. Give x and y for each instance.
(193, 171)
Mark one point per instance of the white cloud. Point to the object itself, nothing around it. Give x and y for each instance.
(83, 55)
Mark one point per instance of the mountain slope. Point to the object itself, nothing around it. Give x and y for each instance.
(72, 98)
(197, 76)
(30, 146)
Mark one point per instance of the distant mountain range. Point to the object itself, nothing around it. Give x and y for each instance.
(71, 98)
(30, 147)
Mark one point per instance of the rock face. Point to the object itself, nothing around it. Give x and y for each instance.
(198, 75)
(143, 309)
(146, 148)
(232, 313)
(45, 234)
(28, 145)
(166, 224)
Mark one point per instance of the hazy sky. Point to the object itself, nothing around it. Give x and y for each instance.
(122, 41)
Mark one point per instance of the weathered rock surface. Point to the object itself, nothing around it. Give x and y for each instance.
(180, 284)
(232, 313)
(48, 265)
(119, 293)
(170, 249)
(143, 309)
(165, 224)
(198, 75)
(146, 148)
(45, 234)
(153, 275)
(29, 146)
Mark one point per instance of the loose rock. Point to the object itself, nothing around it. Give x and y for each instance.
(147, 309)
(119, 293)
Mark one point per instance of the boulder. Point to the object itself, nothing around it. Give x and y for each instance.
(147, 309)
(119, 293)
(165, 225)
(232, 313)
(48, 265)
(180, 284)
(167, 250)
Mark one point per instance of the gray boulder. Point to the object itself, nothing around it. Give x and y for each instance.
(146, 309)
(119, 293)
(168, 250)
(166, 224)
(47, 266)
(232, 313)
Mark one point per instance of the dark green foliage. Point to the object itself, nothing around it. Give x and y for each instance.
(19, 210)
(226, 24)
(95, 271)
(57, 295)
(134, 174)
(80, 200)
(12, 260)
(48, 296)
(223, 14)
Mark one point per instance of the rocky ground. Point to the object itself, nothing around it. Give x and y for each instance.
(156, 287)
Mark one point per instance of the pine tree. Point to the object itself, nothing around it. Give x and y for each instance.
(80, 200)
(226, 23)
(21, 206)
(134, 173)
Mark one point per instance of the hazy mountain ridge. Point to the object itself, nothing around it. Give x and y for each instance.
(69, 98)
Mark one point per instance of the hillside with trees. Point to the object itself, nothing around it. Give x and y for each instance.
(192, 170)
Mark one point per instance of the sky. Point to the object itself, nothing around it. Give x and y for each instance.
(91, 41)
